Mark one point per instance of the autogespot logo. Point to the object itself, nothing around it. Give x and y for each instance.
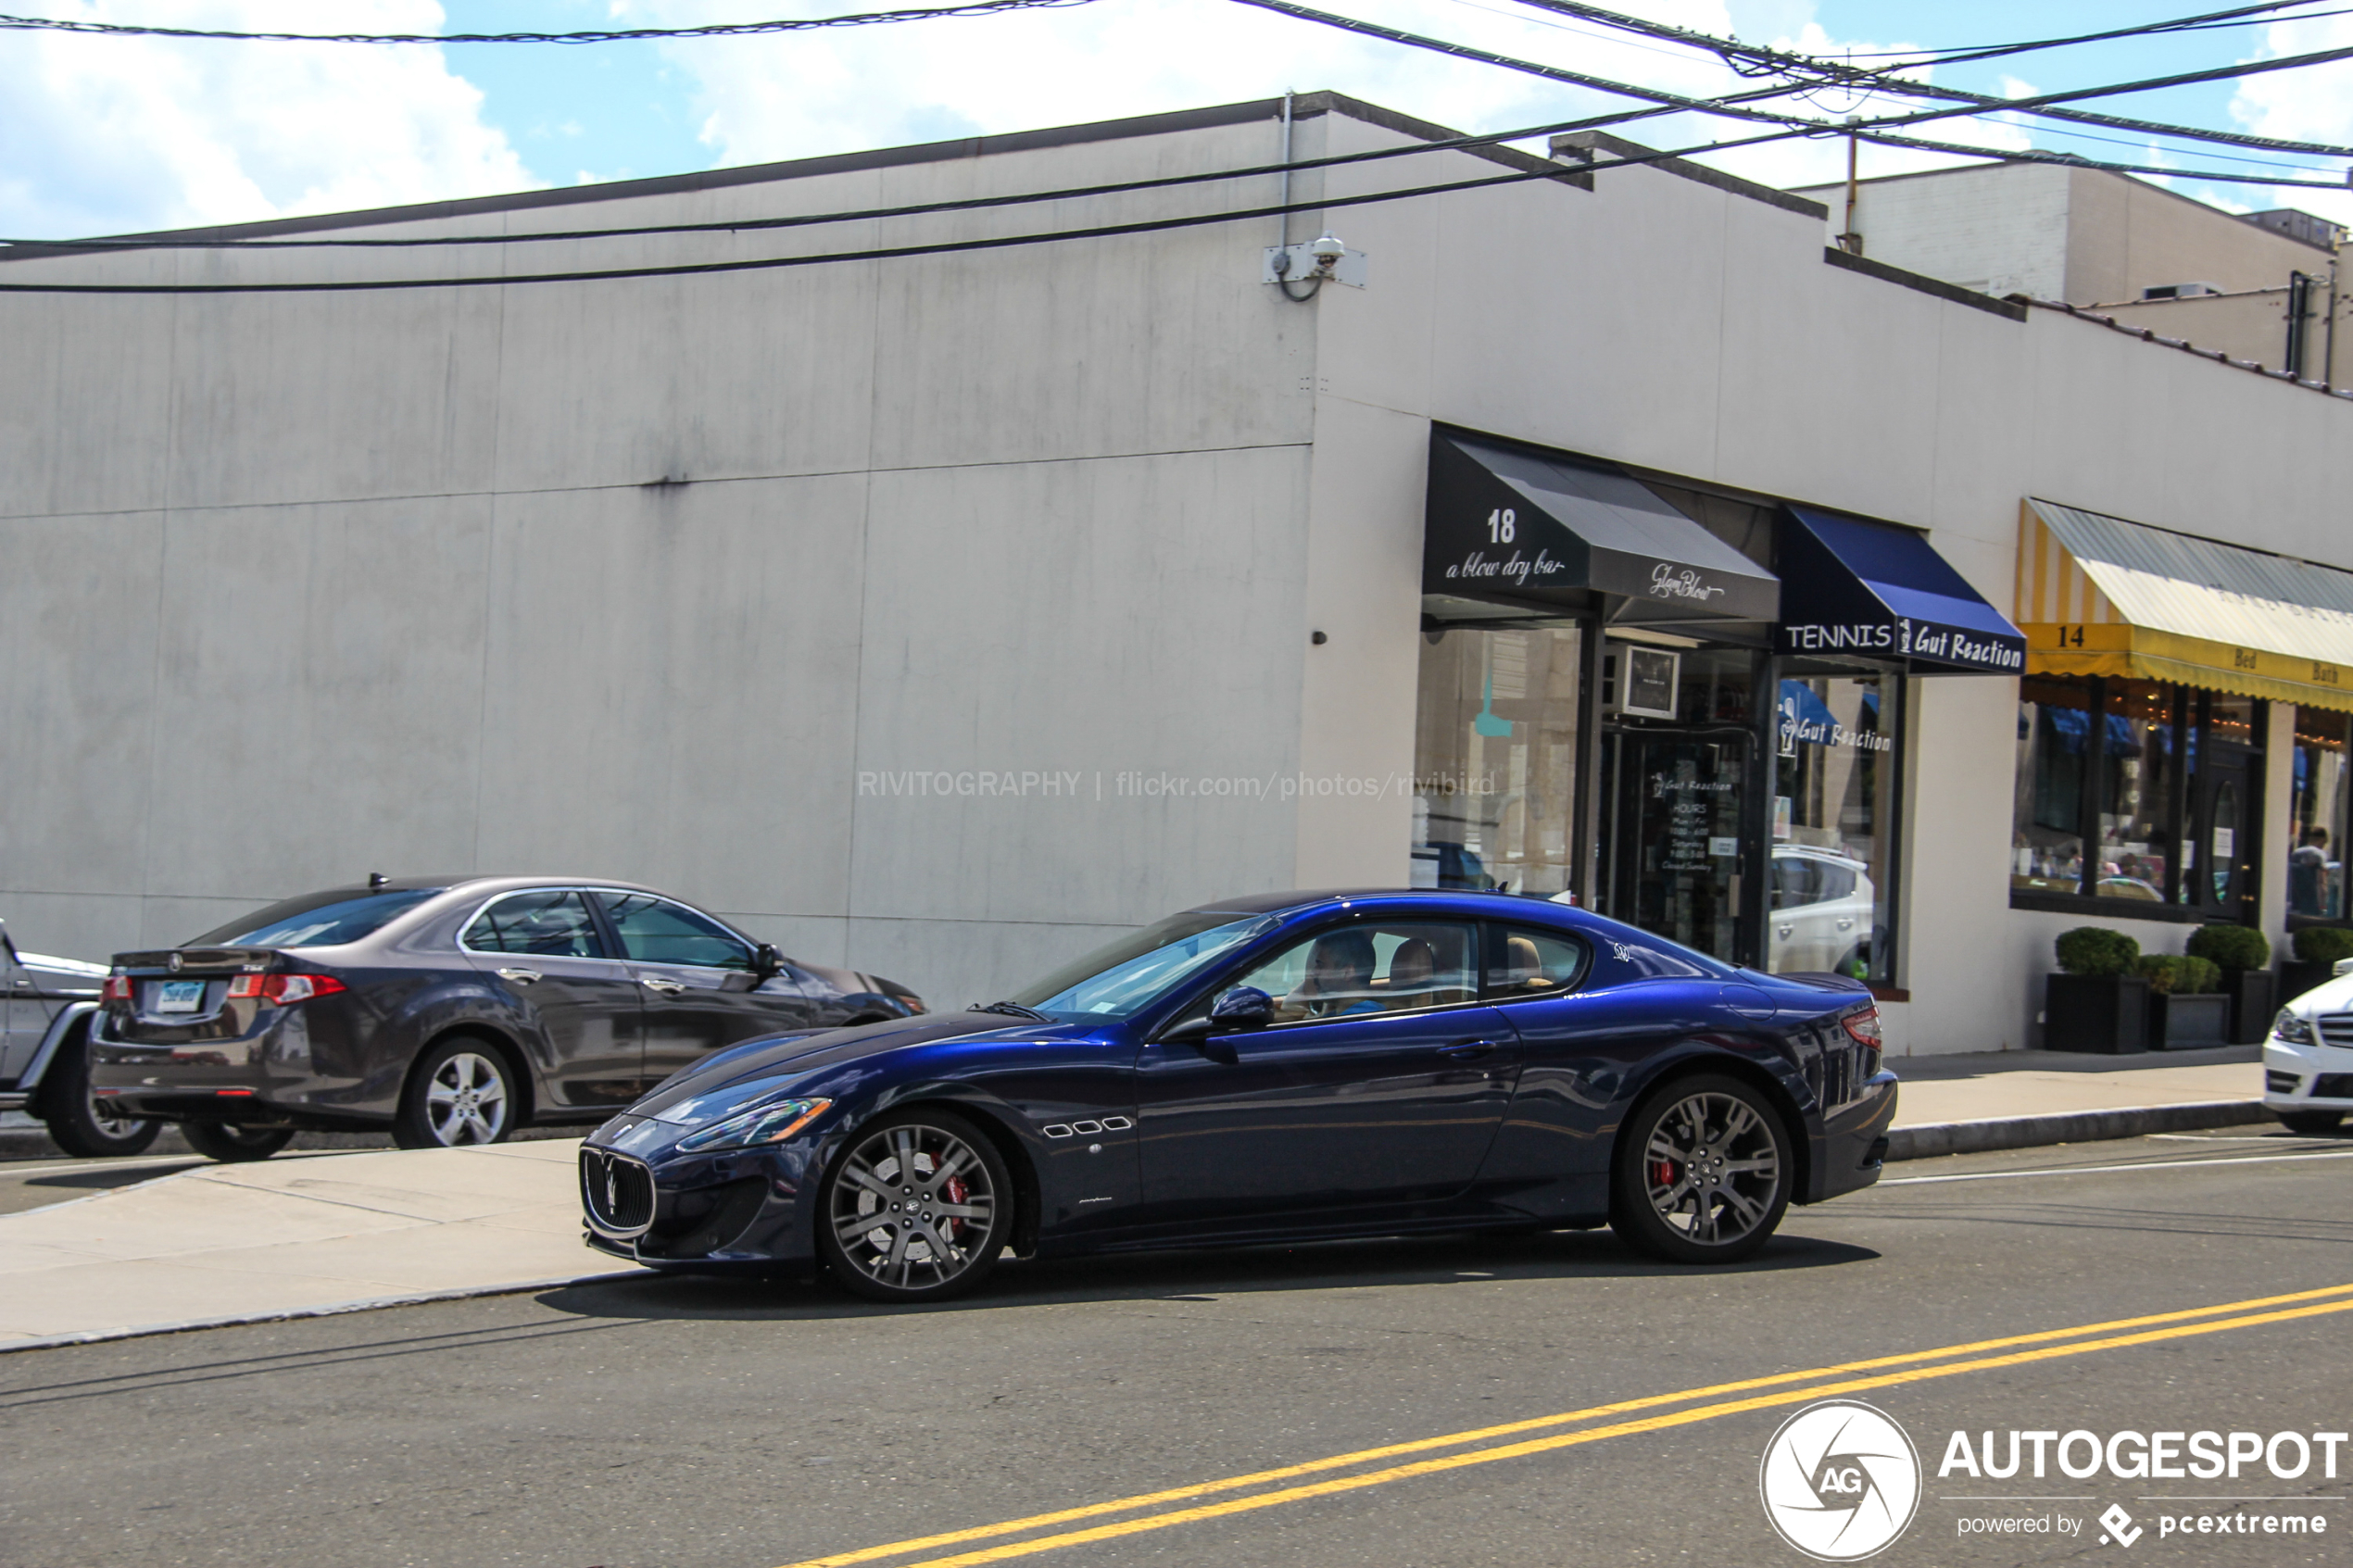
(1840, 1481)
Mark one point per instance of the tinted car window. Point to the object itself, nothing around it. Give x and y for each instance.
(1793, 882)
(1534, 963)
(546, 922)
(1369, 968)
(319, 919)
(1838, 881)
(657, 930)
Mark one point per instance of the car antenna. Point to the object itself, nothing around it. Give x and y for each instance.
(377, 879)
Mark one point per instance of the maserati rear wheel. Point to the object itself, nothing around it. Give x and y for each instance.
(916, 1209)
(1703, 1172)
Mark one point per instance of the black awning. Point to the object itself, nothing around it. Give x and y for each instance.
(1510, 527)
(1849, 586)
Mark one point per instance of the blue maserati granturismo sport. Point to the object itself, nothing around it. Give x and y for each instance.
(1275, 1068)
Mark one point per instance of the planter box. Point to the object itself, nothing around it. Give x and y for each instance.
(2188, 1023)
(2249, 991)
(2108, 1013)
(2297, 977)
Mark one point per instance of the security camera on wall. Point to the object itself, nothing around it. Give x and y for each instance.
(1641, 682)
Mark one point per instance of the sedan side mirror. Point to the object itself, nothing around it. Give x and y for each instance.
(766, 962)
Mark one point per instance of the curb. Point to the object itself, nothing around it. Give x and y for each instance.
(1937, 1138)
(333, 1308)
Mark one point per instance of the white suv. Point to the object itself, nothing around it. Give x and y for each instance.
(1820, 921)
(2307, 1062)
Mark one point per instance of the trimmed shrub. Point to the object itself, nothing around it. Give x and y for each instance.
(2230, 946)
(2095, 950)
(2186, 976)
(2324, 944)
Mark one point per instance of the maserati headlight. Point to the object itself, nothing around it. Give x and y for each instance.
(2294, 1030)
(766, 1125)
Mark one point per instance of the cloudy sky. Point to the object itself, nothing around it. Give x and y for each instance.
(107, 135)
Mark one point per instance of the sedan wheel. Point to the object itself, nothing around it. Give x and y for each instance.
(234, 1145)
(917, 1209)
(1703, 1173)
(461, 1093)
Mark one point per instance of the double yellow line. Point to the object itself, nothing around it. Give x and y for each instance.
(1883, 1372)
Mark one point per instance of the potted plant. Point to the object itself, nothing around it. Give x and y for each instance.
(2318, 948)
(2097, 1002)
(2245, 958)
(2187, 1009)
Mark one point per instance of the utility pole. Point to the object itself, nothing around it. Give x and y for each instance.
(1851, 242)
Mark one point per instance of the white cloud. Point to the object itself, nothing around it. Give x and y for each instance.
(2309, 104)
(108, 134)
(811, 93)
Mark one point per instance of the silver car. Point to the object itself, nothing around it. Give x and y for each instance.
(45, 1005)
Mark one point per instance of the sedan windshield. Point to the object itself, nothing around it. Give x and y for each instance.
(318, 919)
(1122, 979)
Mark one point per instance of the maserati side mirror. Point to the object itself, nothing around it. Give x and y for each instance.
(1241, 1007)
(766, 962)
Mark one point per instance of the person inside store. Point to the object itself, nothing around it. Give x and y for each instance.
(2308, 889)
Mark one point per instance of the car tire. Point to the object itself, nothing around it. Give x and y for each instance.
(77, 1122)
(2311, 1123)
(1702, 1172)
(959, 1203)
(462, 1092)
(234, 1144)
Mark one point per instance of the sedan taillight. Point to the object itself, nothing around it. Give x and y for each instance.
(286, 990)
(118, 989)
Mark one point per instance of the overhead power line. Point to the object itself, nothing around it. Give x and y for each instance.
(1001, 242)
(1839, 74)
(1729, 107)
(2238, 15)
(610, 35)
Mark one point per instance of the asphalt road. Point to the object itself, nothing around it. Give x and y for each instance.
(679, 1424)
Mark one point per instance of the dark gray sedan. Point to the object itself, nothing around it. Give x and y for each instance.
(449, 1010)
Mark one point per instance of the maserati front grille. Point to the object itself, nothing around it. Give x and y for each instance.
(618, 1193)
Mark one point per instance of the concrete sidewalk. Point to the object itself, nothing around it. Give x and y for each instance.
(337, 1232)
(290, 1237)
(2023, 1099)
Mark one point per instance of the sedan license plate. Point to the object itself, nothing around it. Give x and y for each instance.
(179, 995)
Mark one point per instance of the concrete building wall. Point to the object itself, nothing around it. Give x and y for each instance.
(664, 579)
(2089, 237)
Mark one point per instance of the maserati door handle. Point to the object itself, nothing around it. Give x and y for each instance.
(519, 976)
(665, 988)
(1466, 1050)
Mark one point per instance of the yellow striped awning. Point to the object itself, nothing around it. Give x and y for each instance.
(2098, 596)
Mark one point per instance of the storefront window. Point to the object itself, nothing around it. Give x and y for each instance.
(2046, 814)
(1834, 824)
(2316, 815)
(1495, 753)
(2141, 800)
(2164, 777)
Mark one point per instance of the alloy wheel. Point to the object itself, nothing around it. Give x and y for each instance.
(1712, 1170)
(914, 1207)
(466, 1100)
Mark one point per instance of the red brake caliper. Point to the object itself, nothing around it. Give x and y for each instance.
(955, 1191)
(1663, 1172)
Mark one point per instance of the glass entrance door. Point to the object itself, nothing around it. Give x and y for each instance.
(1671, 833)
(2217, 872)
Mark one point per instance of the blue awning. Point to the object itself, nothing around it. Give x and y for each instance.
(1877, 591)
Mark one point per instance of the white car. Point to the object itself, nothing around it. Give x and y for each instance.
(2307, 1062)
(1820, 921)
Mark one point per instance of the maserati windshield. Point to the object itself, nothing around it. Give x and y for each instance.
(1124, 977)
